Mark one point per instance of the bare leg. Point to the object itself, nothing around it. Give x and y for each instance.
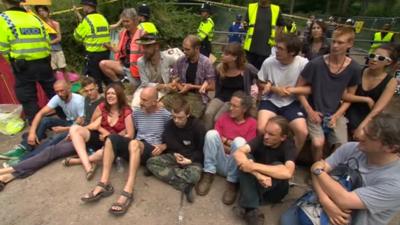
(79, 136)
(111, 69)
(135, 150)
(299, 128)
(97, 156)
(262, 119)
(317, 148)
(7, 178)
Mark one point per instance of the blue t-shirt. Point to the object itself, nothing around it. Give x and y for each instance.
(150, 126)
(236, 27)
(73, 109)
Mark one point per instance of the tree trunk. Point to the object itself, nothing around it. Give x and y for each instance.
(345, 6)
(328, 7)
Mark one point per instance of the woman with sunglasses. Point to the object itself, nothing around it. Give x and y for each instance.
(316, 43)
(375, 91)
(116, 117)
(232, 74)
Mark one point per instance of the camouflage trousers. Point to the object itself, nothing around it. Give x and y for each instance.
(165, 168)
(194, 99)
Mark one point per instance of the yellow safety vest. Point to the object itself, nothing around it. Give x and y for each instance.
(252, 15)
(378, 38)
(206, 29)
(23, 36)
(148, 27)
(94, 32)
(292, 30)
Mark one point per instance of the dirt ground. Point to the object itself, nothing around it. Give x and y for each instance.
(52, 196)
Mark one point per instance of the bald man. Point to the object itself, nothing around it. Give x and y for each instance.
(149, 120)
(73, 106)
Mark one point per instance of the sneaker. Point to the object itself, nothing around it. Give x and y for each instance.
(254, 217)
(189, 193)
(16, 152)
(203, 187)
(11, 163)
(230, 193)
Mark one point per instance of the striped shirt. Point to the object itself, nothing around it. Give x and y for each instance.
(150, 126)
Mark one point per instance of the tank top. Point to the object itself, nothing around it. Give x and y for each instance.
(120, 124)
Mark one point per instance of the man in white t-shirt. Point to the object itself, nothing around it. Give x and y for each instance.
(278, 76)
(73, 107)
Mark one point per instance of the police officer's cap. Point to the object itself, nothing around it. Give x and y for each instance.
(89, 2)
(239, 17)
(144, 10)
(205, 7)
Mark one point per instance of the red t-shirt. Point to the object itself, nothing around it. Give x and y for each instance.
(228, 128)
(120, 124)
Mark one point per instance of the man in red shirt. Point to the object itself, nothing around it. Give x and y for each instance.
(232, 130)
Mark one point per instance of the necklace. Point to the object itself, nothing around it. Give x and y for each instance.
(340, 68)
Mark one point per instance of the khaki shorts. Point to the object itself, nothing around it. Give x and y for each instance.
(58, 60)
(337, 136)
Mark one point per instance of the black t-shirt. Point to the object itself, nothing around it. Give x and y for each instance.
(359, 110)
(191, 73)
(228, 86)
(262, 31)
(267, 155)
(327, 88)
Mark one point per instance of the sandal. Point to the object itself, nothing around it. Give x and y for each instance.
(123, 206)
(2, 185)
(107, 190)
(66, 162)
(92, 171)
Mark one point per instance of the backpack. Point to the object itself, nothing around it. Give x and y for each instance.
(310, 211)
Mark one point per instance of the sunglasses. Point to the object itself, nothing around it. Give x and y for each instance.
(379, 57)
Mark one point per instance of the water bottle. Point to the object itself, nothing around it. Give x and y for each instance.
(180, 216)
(325, 124)
(91, 151)
(397, 76)
(120, 164)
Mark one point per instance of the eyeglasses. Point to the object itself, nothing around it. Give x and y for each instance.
(379, 57)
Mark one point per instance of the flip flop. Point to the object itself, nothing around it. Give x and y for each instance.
(107, 190)
(124, 206)
(92, 171)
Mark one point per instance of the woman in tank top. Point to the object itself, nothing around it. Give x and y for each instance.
(116, 118)
(232, 74)
(375, 91)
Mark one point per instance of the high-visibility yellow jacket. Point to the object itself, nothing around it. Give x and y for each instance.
(148, 28)
(206, 29)
(378, 38)
(252, 15)
(94, 32)
(23, 36)
(292, 30)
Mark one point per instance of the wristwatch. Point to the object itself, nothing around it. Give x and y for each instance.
(317, 171)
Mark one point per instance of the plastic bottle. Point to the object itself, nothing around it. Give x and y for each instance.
(120, 164)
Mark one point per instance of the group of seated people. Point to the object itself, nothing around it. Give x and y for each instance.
(184, 139)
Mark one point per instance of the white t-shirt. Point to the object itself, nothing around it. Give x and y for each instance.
(281, 75)
(380, 192)
(73, 109)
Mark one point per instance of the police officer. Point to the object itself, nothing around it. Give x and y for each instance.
(206, 29)
(382, 36)
(263, 21)
(94, 32)
(26, 44)
(145, 24)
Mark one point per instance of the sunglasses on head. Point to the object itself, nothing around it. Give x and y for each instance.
(379, 57)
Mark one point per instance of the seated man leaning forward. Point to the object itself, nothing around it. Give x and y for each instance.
(193, 76)
(181, 166)
(378, 200)
(73, 107)
(149, 121)
(232, 130)
(154, 67)
(264, 175)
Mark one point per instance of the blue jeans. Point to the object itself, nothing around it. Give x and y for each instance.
(45, 123)
(289, 217)
(53, 140)
(215, 159)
